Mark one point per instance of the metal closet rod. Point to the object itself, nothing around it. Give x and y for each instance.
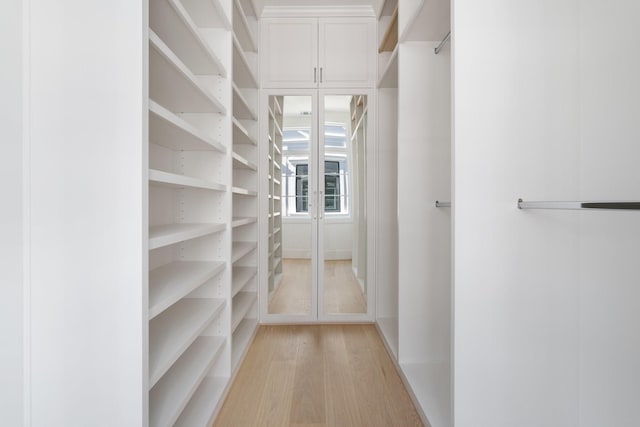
(443, 43)
(579, 205)
(440, 204)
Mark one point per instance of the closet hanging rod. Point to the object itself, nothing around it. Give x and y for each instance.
(443, 43)
(579, 205)
(440, 204)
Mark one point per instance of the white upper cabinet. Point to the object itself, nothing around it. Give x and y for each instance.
(290, 48)
(346, 52)
(318, 52)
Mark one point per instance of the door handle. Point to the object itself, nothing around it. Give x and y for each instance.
(320, 74)
(315, 74)
(311, 205)
(321, 207)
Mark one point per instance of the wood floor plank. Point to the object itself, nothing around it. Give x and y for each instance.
(396, 397)
(308, 404)
(368, 375)
(341, 393)
(317, 376)
(274, 406)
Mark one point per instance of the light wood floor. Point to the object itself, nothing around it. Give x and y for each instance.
(317, 376)
(342, 292)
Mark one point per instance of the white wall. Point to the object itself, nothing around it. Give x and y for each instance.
(516, 296)
(11, 220)
(87, 201)
(609, 246)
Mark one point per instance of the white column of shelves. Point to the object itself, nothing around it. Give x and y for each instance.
(387, 224)
(424, 231)
(189, 206)
(244, 284)
(275, 192)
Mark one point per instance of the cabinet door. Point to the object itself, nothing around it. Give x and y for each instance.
(347, 52)
(289, 55)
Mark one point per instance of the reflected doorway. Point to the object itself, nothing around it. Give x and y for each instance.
(317, 205)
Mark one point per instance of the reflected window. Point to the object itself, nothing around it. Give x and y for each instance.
(295, 171)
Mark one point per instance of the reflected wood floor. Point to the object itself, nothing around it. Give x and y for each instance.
(342, 290)
(320, 376)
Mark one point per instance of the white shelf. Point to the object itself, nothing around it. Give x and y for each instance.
(172, 393)
(241, 135)
(172, 180)
(243, 74)
(431, 386)
(172, 23)
(240, 162)
(242, 302)
(240, 249)
(243, 192)
(276, 230)
(203, 404)
(389, 77)
(173, 85)
(172, 332)
(240, 221)
(240, 339)
(276, 262)
(168, 234)
(241, 108)
(242, 30)
(242, 276)
(171, 282)
(276, 246)
(207, 14)
(170, 131)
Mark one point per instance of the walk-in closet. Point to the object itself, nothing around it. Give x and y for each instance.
(447, 190)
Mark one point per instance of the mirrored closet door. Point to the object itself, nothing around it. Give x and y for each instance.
(317, 222)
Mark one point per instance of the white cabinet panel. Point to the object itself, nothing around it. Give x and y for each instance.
(347, 52)
(292, 47)
(318, 52)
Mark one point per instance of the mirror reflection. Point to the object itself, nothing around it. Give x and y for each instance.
(323, 188)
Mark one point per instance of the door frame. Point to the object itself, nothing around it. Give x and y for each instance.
(317, 117)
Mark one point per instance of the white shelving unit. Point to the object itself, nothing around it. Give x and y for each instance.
(414, 295)
(245, 95)
(202, 190)
(387, 271)
(275, 191)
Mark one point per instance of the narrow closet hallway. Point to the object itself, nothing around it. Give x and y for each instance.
(317, 375)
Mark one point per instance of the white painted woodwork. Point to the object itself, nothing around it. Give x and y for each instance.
(290, 52)
(87, 232)
(13, 223)
(546, 302)
(318, 52)
(346, 52)
(424, 231)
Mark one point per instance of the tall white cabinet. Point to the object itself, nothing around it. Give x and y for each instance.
(141, 211)
(506, 316)
(546, 301)
(202, 203)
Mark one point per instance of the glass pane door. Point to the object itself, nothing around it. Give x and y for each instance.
(342, 218)
(292, 226)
